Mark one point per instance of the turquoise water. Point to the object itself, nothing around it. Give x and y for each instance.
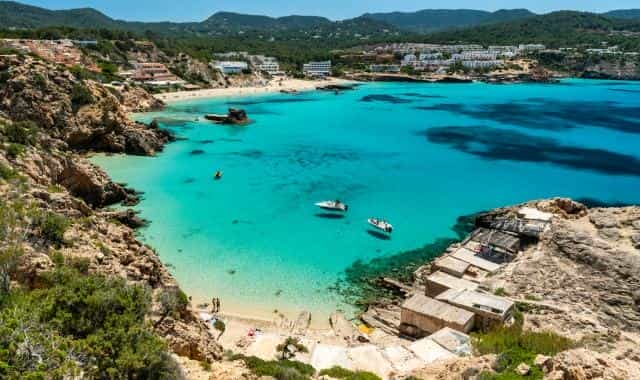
(418, 155)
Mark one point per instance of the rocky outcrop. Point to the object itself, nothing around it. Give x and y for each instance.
(136, 99)
(81, 114)
(73, 115)
(191, 338)
(90, 183)
(234, 116)
(585, 271)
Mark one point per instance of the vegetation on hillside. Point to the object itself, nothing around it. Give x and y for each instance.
(515, 346)
(432, 20)
(558, 29)
(63, 322)
(345, 374)
(80, 324)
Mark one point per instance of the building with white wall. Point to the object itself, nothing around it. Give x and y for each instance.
(317, 69)
(230, 67)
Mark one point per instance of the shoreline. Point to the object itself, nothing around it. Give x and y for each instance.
(299, 85)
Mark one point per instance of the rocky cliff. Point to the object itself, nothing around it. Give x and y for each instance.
(76, 114)
(48, 119)
(581, 281)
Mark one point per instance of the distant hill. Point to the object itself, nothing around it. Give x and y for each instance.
(238, 21)
(507, 25)
(557, 29)
(624, 13)
(17, 15)
(431, 20)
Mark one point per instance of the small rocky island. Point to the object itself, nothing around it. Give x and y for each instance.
(233, 117)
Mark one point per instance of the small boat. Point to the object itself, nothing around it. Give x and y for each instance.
(381, 224)
(218, 175)
(333, 205)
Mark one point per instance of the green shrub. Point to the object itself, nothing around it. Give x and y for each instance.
(500, 292)
(81, 324)
(15, 150)
(283, 348)
(280, 369)
(52, 226)
(7, 173)
(21, 132)
(173, 302)
(80, 95)
(108, 68)
(342, 373)
(206, 366)
(40, 80)
(81, 264)
(513, 345)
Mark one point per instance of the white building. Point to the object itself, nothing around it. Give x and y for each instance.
(474, 56)
(317, 69)
(384, 68)
(482, 64)
(266, 64)
(430, 56)
(230, 67)
(409, 59)
(528, 48)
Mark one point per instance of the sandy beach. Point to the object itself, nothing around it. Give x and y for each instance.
(274, 86)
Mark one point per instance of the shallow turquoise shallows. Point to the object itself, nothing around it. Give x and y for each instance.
(418, 155)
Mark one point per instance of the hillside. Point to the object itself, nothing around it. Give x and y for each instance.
(19, 15)
(624, 13)
(557, 29)
(431, 20)
(16, 15)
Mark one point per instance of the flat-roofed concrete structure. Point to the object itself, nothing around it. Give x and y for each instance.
(439, 282)
(421, 315)
(535, 214)
(472, 258)
(498, 240)
(429, 351)
(454, 341)
(488, 308)
(451, 265)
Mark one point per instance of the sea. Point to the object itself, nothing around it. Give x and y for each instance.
(417, 155)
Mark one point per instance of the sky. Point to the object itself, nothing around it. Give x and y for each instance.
(198, 10)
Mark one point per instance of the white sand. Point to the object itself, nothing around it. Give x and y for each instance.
(273, 86)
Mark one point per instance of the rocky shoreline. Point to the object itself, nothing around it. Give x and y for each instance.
(64, 117)
(579, 279)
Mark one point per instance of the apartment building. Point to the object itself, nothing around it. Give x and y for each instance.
(317, 69)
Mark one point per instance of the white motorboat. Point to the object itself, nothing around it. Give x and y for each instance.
(381, 224)
(333, 205)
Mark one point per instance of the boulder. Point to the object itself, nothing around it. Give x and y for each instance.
(543, 362)
(193, 340)
(523, 369)
(90, 183)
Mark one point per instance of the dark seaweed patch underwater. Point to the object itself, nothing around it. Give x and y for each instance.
(500, 144)
(385, 99)
(537, 113)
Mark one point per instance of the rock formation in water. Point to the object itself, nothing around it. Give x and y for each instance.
(234, 117)
(48, 117)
